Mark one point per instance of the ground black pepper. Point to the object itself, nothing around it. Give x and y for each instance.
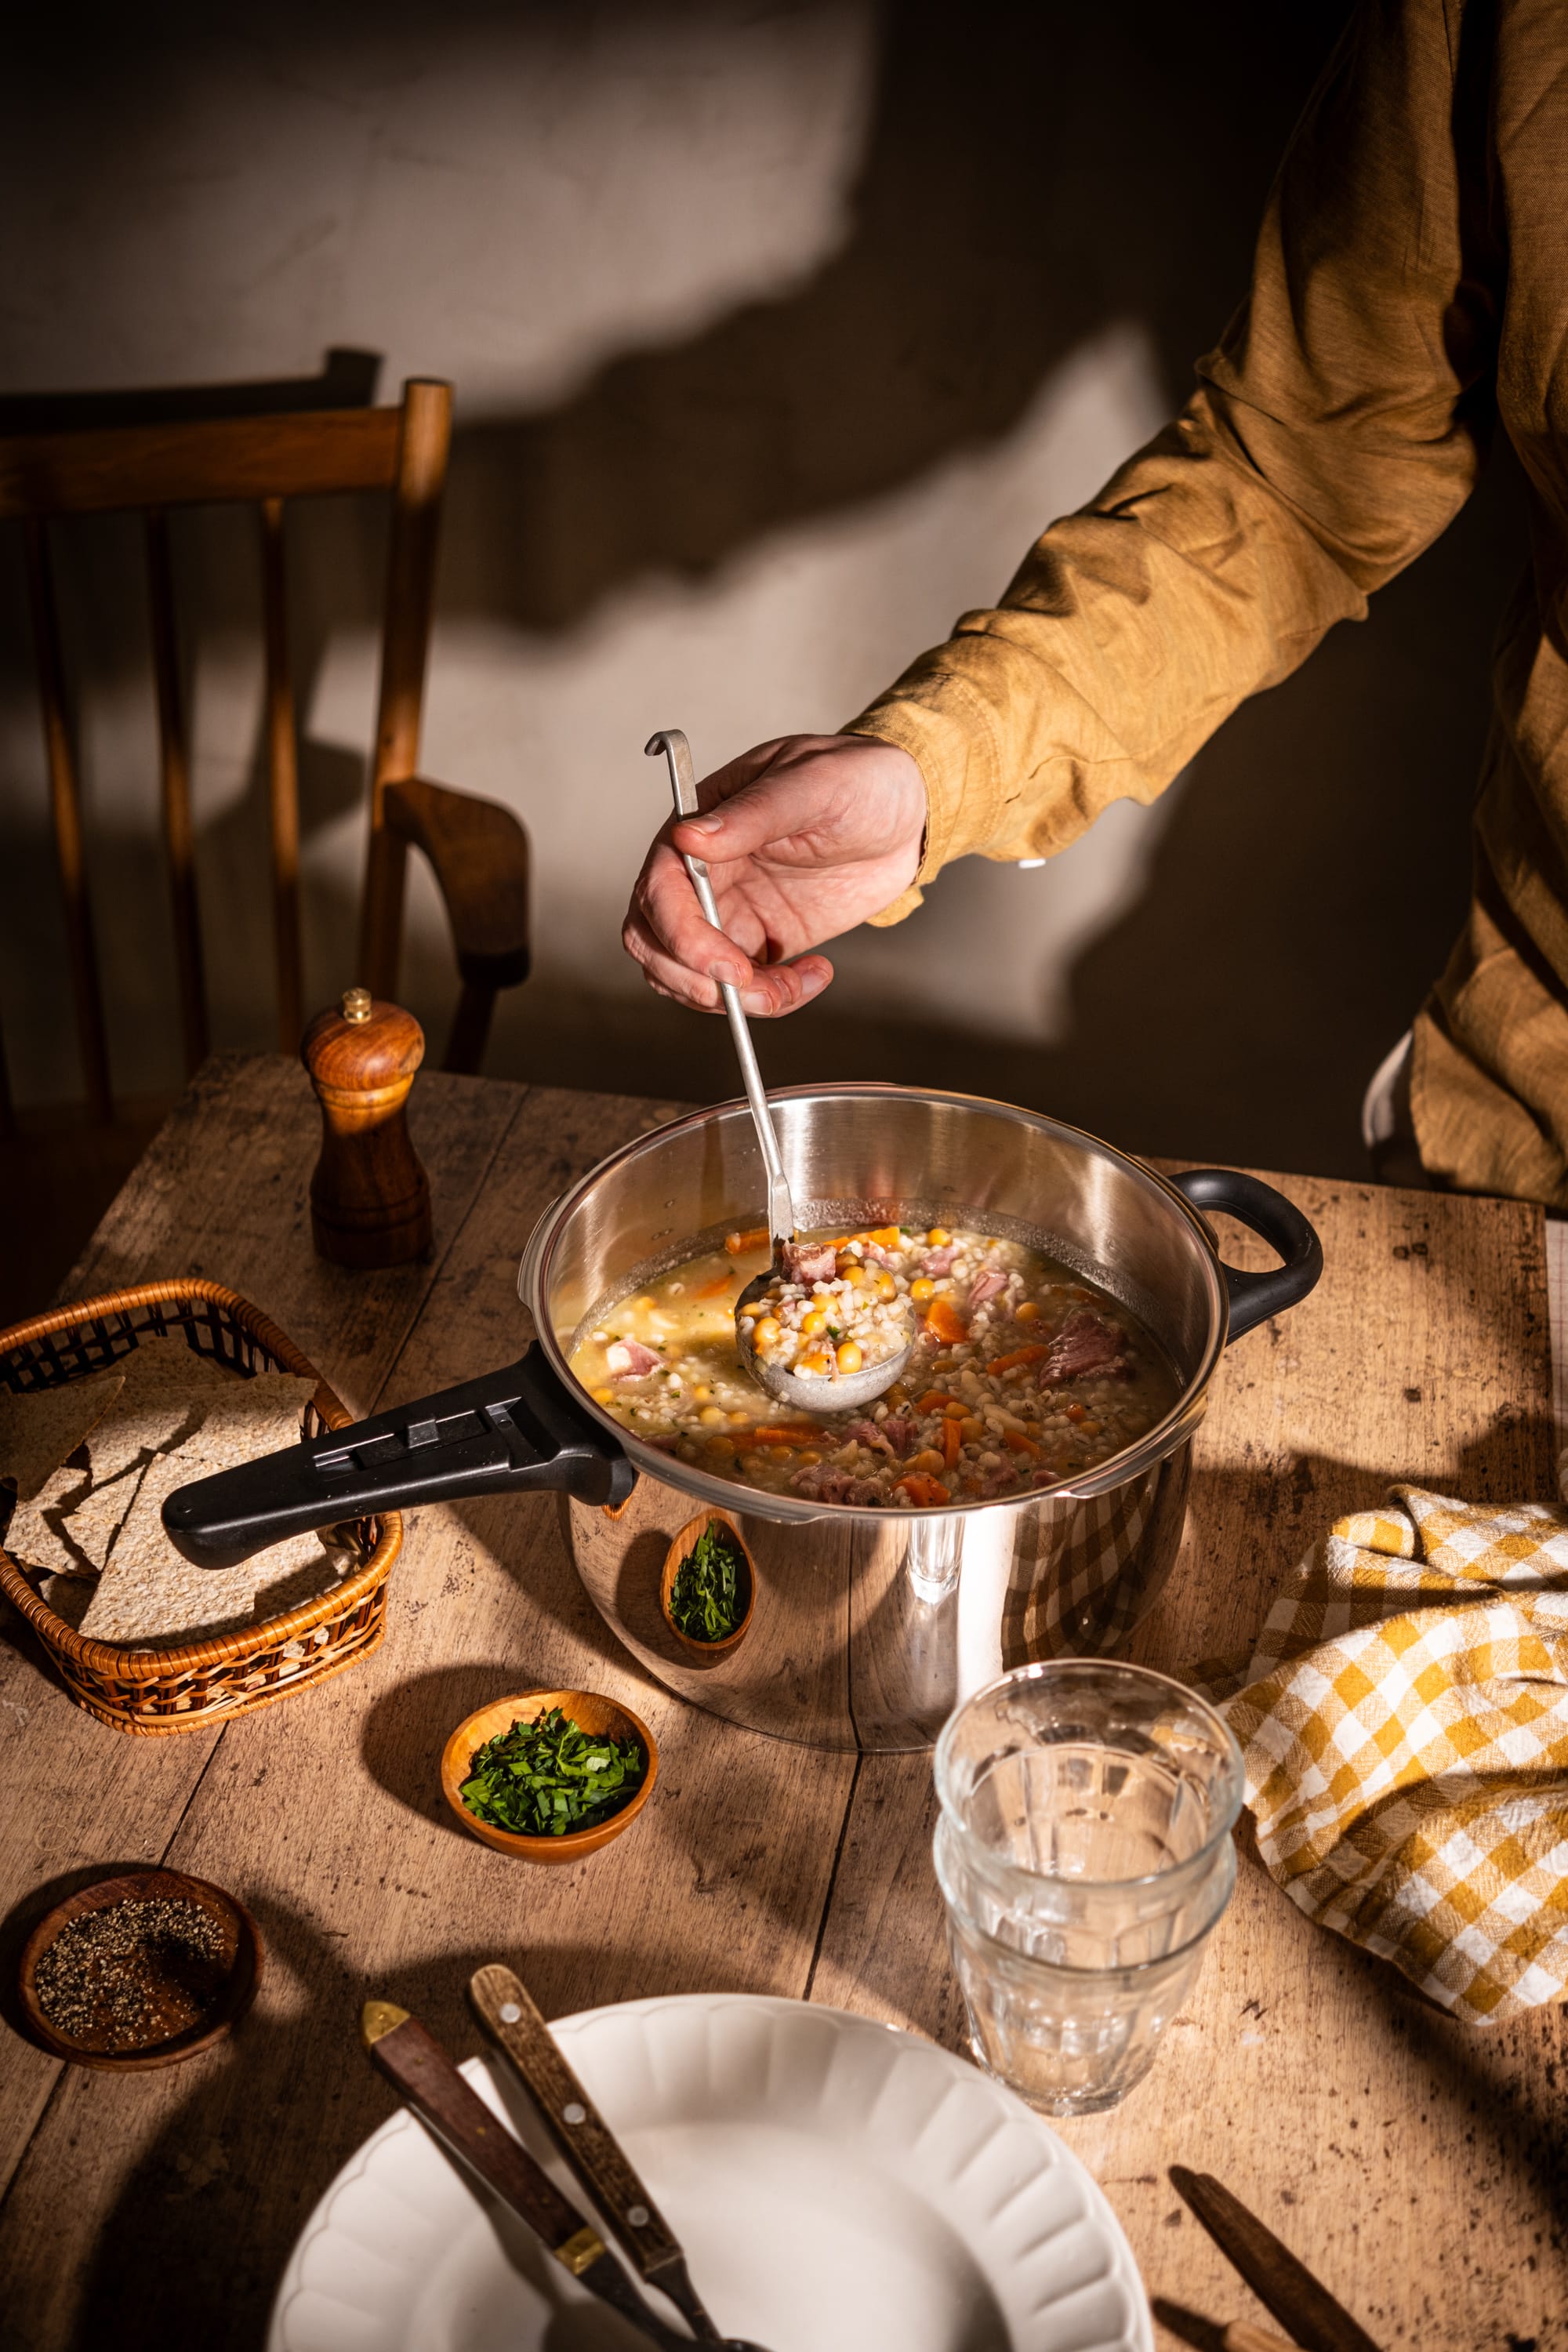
(134, 1974)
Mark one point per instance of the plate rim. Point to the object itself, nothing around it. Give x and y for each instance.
(649, 2005)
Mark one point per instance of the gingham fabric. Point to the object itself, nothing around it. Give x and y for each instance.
(1405, 1726)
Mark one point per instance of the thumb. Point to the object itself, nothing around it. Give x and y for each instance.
(755, 817)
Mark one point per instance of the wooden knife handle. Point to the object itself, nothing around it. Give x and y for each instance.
(507, 2011)
(427, 2078)
(1317, 2322)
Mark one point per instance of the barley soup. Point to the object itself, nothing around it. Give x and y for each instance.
(1022, 1374)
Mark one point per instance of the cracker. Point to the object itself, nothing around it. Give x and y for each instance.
(92, 1526)
(254, 1417)
(149, 1593)
(289, 1574)
(40, 1429)
(45, 1423)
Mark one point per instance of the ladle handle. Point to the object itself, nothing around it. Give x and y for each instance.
(683, 787)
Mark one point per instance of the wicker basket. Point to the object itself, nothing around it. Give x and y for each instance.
(154, 1692)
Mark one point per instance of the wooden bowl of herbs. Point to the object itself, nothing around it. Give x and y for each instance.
(550, 1775)
(708, 1589)
(139, 1970)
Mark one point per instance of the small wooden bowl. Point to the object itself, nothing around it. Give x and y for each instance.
(685, 1542)
(240, 1931)
(594, 1713)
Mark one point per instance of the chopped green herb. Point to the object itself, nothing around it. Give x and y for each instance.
(704, 1601)
(545, 1778)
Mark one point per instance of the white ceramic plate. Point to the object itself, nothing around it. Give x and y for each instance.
(838, 2186)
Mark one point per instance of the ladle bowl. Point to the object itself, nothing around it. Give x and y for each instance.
(843, 1392)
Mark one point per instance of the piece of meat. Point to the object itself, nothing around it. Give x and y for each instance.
(987, 1285)
(827, 1486)
(628, 1359)
(1086, 1343)
(877, 1256)
(809, 1262)
(896, 1435)
(865, 1433)
(862, 1492)
(939, 1261)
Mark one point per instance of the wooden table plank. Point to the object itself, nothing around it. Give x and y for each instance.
(326, 1816)
(223, 1192)
(1419, 2166)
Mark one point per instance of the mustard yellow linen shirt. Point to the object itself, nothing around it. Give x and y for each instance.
(1410, 287)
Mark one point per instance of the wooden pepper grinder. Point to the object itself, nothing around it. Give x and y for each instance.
(370, 1198)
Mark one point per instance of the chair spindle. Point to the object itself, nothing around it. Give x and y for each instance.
(410, 592)
(178, 836)
(64, 800)
(283, 781)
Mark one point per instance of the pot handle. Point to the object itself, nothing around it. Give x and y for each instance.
(512, 1430)
(1255, 1296)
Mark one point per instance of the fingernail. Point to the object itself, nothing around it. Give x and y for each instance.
(754, 1001)
(703, 824)
(812, 983)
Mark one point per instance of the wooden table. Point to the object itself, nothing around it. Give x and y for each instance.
(1416, 2164)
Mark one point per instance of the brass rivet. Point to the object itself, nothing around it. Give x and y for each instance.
(356, 1005)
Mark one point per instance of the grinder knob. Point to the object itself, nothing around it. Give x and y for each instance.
(370, 1199)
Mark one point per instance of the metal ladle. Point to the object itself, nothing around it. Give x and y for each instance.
(844, 1391)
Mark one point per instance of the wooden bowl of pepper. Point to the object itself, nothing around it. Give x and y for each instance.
(139, 1970)
(571, 1757)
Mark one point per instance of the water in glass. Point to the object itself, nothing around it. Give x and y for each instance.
(1084, 1855)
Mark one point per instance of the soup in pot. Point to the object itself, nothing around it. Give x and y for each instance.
(1022, 1373)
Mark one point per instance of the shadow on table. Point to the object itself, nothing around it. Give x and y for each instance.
(252, 2133)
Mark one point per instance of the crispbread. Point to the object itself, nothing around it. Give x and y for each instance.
(167, 1388)
(92, 1524)
(40, 1429)
(288, 1574)
(149, 1595)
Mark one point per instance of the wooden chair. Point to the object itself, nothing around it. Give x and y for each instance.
(476, 849)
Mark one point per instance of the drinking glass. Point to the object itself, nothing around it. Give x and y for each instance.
(1085, 1856)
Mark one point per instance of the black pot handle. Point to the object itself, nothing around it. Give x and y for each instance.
(1255, 1296)
(513, 1430)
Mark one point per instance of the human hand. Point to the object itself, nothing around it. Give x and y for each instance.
(805, 837)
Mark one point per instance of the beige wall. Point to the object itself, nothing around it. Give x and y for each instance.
(777, 333)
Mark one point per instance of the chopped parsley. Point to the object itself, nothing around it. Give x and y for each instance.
(545, 1778)
(705, 1600)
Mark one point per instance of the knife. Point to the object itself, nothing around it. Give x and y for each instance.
(508, 2012)
(428, 2079)
(1286, 2286)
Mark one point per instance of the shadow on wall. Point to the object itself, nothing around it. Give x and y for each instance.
(1025, 187)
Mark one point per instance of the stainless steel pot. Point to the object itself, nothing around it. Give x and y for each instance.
(868, 1625)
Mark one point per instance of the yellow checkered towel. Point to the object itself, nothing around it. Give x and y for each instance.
(1405, 1726)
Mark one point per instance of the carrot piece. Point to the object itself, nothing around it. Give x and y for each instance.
(781, 1433)
(739, 1244)
(935, 1400)
(716, 1288)
(921, 1490)
(1017, 1442)
(1018, 1356)
(885, 1237)
(1075, 1412)
(943, 1318)
(951, 1442)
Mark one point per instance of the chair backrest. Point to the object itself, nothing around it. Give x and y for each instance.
(264, 461)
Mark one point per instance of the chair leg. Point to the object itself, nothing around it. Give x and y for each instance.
(470, 1030)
